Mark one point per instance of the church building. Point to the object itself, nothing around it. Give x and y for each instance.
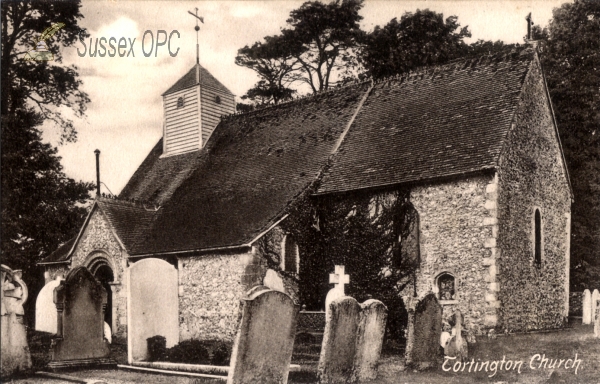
(475, 142)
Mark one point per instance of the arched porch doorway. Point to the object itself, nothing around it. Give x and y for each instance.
(100, 267)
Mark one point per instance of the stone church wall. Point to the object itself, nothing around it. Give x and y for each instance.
(211, 287)
(532, 176)
(455, 237)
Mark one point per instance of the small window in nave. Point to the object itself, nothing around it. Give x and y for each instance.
(446, 290)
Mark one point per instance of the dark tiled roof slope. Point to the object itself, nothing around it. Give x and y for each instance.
(449, 120)
(190, 79)
(129, 220)
(61, 254)
(157, 178)
(251, 168)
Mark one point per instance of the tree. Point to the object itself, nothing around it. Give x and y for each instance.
(272, 61)
(318, 50)
(41, 207)
(571, 60)
(418, 39)
(40, 83)
(327, 36)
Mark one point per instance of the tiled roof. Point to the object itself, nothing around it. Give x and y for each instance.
(61, 254)
(449, 120)
(446, 121)
(197, 75)
(157, 178)
(130, 221)
(251, 168)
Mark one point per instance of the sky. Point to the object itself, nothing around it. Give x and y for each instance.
(124, 118)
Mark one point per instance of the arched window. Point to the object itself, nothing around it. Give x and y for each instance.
(180, 102)
(537, 235)
(406, 246)
(291, 258)
(446, 287)
(218, 99)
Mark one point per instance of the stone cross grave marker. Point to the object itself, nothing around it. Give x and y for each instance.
(45, 309)
(457, 345)
(338, 350)
(15, 350)
(262, 351)
(586, 305)
(373, 318)
(339, 279)
(425, 329)
(594, 305)
(80, 301)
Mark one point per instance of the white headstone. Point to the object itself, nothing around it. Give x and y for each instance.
(273, 281)
(586, 305)
(339, 279)
(152, 306)
(45, 309)
(107, 333)
(595, 298)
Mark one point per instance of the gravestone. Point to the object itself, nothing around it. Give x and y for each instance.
(80, 302)
(425, 329)
(15, 350)
(152, 306)
(262, 351)
(339, 279)
(457, 345)
(338, 350)
(369, 341)
(594, 305)
(586, 306)
(273, 281)
(45, 309)
(597, 324)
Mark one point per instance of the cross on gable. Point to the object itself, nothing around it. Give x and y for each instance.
(339, 278)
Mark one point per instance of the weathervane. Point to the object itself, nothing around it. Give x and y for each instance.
(197, 28)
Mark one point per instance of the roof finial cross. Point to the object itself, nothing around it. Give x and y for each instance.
(197, 28)
(529, 24)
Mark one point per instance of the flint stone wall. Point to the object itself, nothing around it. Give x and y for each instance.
(532, 176)
(454, 237)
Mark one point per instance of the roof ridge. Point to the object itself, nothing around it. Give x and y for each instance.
(136, 203)
(458, 64)
(270, 107)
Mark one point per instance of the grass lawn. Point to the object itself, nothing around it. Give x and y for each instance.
(564, 345)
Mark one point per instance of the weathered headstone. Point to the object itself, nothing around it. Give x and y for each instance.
(80, 301)
(457, 345)
(273, 281)
(369, 341)
(15, 350)
(586, 307)
(425, 329)
(45, 309)
(336, 363)
(152, 306)
(597, 324)
(594, 304)
(339, 279)
(262, 351)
